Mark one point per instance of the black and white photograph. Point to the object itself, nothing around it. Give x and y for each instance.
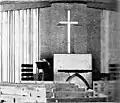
(59, 51)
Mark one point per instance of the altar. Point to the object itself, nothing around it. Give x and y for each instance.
(75, 68)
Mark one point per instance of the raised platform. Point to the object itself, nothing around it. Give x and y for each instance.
(47, 92)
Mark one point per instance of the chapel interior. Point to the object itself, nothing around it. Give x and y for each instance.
(59, 51)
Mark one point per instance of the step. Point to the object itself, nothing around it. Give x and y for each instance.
(70, 94)
(62, 87)
(29, 92)
(65, 85)
(74, 100)
(49, 95)
(70, 89)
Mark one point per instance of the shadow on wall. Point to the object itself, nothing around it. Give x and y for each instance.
(50, 70)
(96, 72)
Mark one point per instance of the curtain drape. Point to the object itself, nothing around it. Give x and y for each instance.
(19, 42)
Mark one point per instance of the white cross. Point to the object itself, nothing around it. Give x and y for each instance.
(68, 22)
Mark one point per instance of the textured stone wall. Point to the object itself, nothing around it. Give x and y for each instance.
(85, 38)
(114, 39)
(93, 39)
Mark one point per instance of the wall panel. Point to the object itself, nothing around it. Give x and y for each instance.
(4, 46)
(18, 42)
(17, 46)
(1, 45)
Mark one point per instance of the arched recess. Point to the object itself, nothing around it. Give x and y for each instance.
(79, 76)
